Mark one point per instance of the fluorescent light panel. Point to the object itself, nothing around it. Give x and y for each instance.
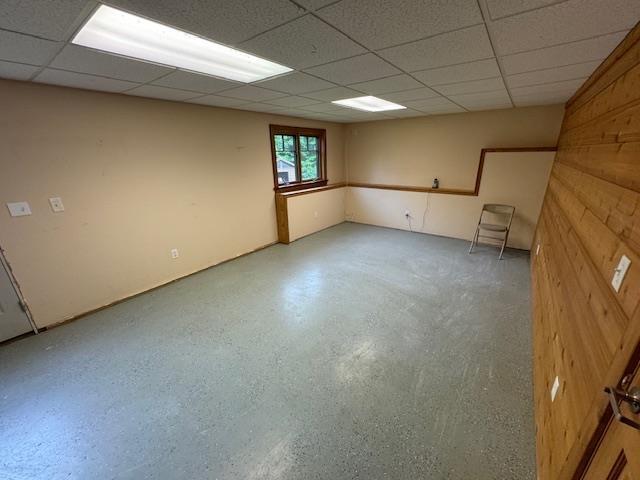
(369, 104)
(122, 33)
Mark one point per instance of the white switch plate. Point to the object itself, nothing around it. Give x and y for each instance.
(19, 209)
(56, 204)
(554, 388)
(174, 253)
(620, 272)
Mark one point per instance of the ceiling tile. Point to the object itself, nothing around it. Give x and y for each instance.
(262, 107)
(355, 69)
(486, 85)
(323, 107)
(153, 91)
(389, 84)
(505, 8)
(578, 52)
(417, 94)
(568, 86)
(460, 73)
(293, 101)
(17, 71)
(52, 19)
(217, 101)
(295, 83)
(444, 109)
(303, 43)
(540, 99)
(323, 117)
(15, 47)
(433, 104)
(406, 113)
(380, 23)
(295, 112)
(193, 81)
(85, 60)
(251, 93)
(81, 80)
(315, 4)
(336, 93)
(219, 20)
(563, 22)
(569, 72)
(483, 100)
(447, 49)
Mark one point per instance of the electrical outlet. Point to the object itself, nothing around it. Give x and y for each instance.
(174, 253)
(554, 388)
(407, 213)
(56, 204)
(620, 272)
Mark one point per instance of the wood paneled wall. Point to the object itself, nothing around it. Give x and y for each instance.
(585, 332)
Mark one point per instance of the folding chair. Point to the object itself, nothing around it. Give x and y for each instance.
(500, 217)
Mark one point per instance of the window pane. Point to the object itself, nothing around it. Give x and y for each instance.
(286, 158)
(310, 158)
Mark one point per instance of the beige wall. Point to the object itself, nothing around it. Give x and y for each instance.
(138, 177)
(413, 151)
(315, 212)
(517, 179)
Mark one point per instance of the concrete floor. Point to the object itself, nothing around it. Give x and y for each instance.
(356, 353)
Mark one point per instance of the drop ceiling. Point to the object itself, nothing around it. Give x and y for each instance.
(432, 56)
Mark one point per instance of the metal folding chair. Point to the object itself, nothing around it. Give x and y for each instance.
(495, 218)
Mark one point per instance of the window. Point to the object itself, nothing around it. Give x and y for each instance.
(299, 157)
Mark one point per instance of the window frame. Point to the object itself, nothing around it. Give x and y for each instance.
(321, 133)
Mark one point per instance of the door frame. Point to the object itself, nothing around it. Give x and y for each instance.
(16, 287)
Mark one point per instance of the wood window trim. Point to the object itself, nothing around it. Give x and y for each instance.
(297, 131)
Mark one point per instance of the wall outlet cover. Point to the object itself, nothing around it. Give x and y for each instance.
(554, 388)
(620, 272)
(174, 253)
(56, 204)
(19, 209)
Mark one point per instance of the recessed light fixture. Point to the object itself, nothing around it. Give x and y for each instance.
(122, 33)
(368, 104)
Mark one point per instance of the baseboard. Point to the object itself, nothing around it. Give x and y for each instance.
(164, 284)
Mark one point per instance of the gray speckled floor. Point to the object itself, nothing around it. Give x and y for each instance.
(356, 353)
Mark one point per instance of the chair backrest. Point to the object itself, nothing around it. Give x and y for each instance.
(504, 213)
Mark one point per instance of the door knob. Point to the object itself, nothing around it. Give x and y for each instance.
(631, 396)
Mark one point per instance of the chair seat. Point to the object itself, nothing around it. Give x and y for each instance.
(492, 227)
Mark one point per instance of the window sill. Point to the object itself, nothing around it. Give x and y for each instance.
(300, 186)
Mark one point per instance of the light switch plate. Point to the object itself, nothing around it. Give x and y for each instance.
(554, 388)
(174, 253)
(19, 209)
(620, 272)
(56, 204)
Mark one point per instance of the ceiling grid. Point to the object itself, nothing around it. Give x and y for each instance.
(431, 56)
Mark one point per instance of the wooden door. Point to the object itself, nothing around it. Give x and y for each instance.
(618, 454)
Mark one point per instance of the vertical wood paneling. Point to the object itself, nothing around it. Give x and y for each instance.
(585, 331)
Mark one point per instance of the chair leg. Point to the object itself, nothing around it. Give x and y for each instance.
(474, 240)
(504, 243)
